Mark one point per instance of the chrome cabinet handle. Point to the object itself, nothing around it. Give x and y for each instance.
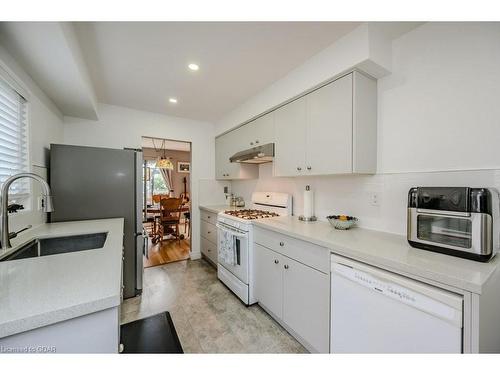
(282, 243)
(309, 168)
(299, 168)
(276, 261)
(286, 266)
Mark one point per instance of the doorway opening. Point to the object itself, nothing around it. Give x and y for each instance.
(167, 200)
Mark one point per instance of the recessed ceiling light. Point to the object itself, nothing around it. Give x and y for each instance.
(172, 100)
(193, 66)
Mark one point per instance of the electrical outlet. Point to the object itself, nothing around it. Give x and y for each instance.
(374, 199)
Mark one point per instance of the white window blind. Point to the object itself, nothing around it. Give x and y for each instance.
(13, 138)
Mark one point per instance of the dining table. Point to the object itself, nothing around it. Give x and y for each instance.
(155, 210)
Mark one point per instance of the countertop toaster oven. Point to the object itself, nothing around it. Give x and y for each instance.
(459, 221)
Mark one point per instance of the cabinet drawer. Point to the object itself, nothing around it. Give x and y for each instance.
(209, 231)
(304, 252)
(208, 216)
(209, 249)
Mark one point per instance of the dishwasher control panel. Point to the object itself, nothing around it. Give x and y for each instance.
(398, 292)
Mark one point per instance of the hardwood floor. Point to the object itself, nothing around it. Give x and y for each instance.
(170, 251)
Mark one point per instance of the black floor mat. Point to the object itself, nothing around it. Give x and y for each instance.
(155, 334)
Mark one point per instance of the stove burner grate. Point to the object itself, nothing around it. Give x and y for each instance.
(251, 214)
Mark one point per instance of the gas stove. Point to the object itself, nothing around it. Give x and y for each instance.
(235, 240)
(251, 214)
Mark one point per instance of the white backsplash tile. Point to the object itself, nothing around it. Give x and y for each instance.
(352, 194)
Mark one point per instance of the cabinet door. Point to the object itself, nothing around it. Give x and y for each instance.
(256, 133)
(268, 278)
(209, 249)
(306, 298)
(289, 138)
(329, 128)
(263, 130)
(225, 147)
(221, 157)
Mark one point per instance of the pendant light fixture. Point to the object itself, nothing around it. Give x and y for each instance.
(163, 162)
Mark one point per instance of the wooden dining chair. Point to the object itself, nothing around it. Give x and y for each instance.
(158, 197)
(169, 219)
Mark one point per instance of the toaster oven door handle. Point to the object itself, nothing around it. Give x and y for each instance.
(442, 213)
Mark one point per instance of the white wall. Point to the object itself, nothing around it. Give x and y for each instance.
(438, 124)
(439, 109)
(45, 126)
(120, 127)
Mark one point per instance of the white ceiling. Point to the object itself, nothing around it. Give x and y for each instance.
(49, 52)
(140, 65)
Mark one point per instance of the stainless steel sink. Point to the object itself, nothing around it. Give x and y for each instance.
(40, 247)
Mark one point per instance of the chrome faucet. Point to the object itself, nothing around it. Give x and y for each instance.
(4, 197)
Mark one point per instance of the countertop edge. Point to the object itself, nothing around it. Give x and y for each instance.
(53, 317)
(214, 208)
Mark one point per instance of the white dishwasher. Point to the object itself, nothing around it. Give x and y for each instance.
(375, 311)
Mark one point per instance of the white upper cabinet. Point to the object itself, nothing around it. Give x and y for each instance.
(257, 132)
(289, 134)
(225, 147)
(329, 128)
(263, 130)
(332, 130)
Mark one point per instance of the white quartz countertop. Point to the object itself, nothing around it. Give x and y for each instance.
(36, 292)
(388, 251)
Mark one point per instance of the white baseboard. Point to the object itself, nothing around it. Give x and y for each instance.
(195, 255)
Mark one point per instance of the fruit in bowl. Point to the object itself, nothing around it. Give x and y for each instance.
(342, 221)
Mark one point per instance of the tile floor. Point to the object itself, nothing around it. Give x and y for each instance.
(207, 316)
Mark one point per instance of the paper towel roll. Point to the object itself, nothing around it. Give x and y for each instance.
(308, 202)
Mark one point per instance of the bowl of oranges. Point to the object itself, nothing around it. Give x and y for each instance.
(343, 222)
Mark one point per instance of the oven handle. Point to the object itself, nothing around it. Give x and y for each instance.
(232, 231)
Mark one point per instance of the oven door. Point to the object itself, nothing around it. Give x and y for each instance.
(240, 250)
(470, 233)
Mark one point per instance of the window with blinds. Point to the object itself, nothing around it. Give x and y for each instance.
(13, 139)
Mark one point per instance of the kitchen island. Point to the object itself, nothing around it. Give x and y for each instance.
(65, 302)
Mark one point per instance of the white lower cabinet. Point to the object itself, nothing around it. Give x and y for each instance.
(208, 236)
(209, 250)
(306, 303)
(296, 294)
(269, 279)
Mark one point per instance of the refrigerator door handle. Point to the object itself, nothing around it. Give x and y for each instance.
(140, 241)
(139, 191)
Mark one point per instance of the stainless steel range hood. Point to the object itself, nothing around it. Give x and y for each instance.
(255, 155)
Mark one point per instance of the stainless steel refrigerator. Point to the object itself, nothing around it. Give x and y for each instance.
(101, 183)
